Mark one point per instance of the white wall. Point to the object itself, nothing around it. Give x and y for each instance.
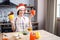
(40, 13)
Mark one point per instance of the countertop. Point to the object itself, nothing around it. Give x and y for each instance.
(44, 35)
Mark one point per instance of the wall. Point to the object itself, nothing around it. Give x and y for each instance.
(20, 1)
(1, 0)
(4, 11)
(40, 13)
(31, 2)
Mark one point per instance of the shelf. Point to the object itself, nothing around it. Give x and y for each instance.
(30, 6)
(4, 5)
(8, 5)
(10, 23)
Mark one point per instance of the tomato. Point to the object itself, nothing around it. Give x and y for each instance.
(32, 12)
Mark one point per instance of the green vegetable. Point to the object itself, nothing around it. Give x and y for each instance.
(24, 33)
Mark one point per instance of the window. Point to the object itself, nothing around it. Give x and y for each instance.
(58, 8)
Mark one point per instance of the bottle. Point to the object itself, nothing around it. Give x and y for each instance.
(32, 36)
(29, 29)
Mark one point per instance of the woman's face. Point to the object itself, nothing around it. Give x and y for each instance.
(21, 12)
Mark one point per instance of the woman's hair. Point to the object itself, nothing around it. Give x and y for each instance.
(18, 12)
(10, 13)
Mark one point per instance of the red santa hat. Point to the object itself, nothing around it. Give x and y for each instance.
(21, 7)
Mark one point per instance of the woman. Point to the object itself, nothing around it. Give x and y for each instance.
(21, 23)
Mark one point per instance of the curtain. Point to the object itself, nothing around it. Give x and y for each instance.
(50, 17)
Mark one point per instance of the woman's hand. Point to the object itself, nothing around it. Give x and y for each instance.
(13, 27)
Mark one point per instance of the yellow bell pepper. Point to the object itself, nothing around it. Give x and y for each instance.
(11, 17)
(37, 35)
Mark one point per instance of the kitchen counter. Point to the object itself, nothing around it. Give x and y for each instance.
(6, 27)
(44, 36)
(10, 23)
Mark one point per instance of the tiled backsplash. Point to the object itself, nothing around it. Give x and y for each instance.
(4, 11)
